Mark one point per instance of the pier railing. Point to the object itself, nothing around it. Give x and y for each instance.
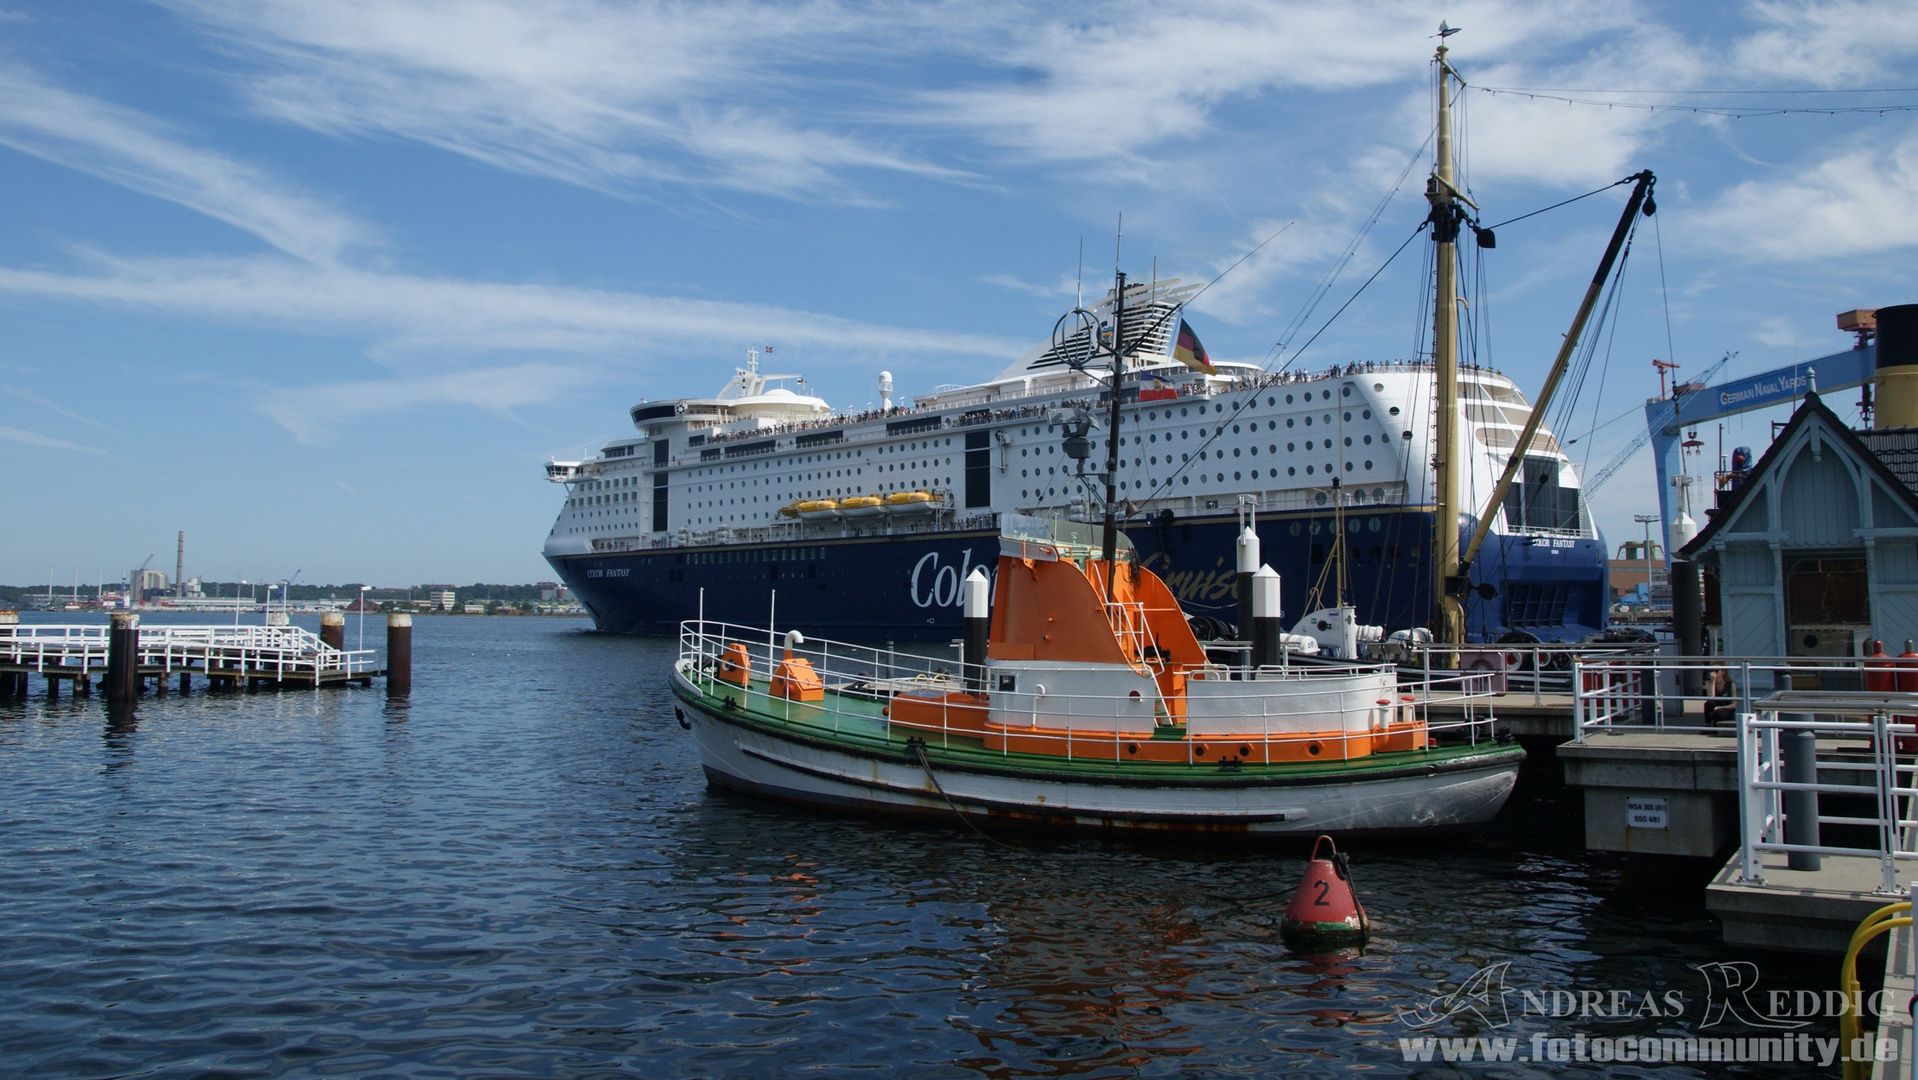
(1860, 751)
(264, 651)
(1702, 693)
(1071, 718)
(1540, 670)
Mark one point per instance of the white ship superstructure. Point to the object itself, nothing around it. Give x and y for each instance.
(733, 468)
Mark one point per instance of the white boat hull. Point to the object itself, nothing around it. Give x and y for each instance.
(748, 757)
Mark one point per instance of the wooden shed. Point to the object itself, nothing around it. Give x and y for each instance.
(1817, 550)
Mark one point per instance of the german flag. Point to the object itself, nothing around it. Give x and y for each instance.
(1190, 353)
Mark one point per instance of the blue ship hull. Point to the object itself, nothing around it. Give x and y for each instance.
(906, 588)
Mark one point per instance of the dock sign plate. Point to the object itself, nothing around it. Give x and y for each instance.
(1646, 812)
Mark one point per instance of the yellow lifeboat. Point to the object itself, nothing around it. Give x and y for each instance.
(862, 506)
(818, 510)
(791, 509)
(906, 503)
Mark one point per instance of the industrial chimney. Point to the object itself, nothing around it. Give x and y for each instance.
(1897, 376)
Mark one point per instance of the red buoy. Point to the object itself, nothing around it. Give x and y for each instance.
(1325, 914)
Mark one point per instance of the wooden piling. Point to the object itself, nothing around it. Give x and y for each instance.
(333, 628)
(123, 657)
(11, 685)
(399, 653)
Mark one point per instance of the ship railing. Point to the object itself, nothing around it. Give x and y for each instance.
(1701, 694)
(1858, 746)
(1542, 671)
(1453, 707)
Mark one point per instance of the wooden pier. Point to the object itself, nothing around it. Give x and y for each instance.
(225, 656)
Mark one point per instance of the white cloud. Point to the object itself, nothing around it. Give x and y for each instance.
(309, 412)
(592, 93)
(28, 437)
(131, 149)
(1826, 44)
(1859, 201)
(414, 315)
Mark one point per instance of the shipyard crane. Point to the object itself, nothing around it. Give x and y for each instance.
(1618, 461)
(1694, 403)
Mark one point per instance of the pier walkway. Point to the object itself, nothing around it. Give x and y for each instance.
(224, 655)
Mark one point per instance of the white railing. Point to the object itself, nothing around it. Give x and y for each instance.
(1540, 669)
(1867, 737)
(1071, 718)
(259, 651)
(1700, 693)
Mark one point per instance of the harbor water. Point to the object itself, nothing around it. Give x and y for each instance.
(519, 871)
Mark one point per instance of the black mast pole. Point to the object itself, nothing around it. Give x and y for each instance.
(1112, 436)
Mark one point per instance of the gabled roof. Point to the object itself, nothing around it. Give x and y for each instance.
(1898, 449)
(1900, 443)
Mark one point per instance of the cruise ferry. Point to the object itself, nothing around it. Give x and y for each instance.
(762, 502)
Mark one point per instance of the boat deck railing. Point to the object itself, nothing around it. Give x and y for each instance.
(1702, 693)
(267, 651)
(860, 680)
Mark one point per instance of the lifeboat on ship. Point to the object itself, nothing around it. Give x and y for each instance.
(911, 503)
(862, 506)
(818, 510)
(1093, 706)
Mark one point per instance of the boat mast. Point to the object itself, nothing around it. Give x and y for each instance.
(1448, 613)
(1111, 537)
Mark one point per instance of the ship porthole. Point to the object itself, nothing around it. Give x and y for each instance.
(1314, 748)
(1245, 749)
(1132, 748)
(1198, 751)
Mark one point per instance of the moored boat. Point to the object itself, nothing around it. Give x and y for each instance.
(1093, 706)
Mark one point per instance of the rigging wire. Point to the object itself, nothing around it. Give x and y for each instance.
(1567, 202)
(1324, 288)
(1734, 112)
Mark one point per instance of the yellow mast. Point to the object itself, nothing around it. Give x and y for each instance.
(1442, 192)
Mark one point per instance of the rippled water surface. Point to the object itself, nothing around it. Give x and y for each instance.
(519, 872)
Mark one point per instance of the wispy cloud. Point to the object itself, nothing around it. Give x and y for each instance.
(1859, 201)
(311, 412)
(28, 437)
(410, 314)
(133, 150)
(592, 93)
(25, 395)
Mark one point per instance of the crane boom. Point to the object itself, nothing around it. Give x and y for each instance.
(1618, 461)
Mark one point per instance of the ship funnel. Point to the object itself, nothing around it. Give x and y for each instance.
(885, 391)
(1897, 377)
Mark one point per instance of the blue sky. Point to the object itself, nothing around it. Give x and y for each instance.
(324, 284)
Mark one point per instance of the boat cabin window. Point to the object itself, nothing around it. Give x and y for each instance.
(1008, 684)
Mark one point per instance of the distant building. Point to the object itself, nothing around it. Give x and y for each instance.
(550, 590)
(194, 589)
(150, 583)
(440, 597)
(475, 608)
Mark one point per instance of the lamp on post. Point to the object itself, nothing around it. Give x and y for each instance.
(1646, 520)
(364, 589)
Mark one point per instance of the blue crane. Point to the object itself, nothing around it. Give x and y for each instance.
(1692, 404)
